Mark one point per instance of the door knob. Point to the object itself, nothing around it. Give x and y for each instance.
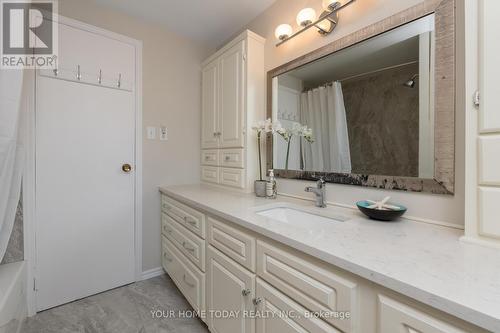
(126, 168)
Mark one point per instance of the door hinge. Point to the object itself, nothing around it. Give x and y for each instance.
(34, 285)
(477, 98)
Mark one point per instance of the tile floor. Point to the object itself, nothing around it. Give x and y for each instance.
(122, 310)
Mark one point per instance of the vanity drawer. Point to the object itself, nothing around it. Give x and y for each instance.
(232, 177)
(232, 242)
(187, 216)
(210, 157)
(188, 243)
(396, 317)
(312, 285)
(189, 279)
(273, 301)
(232, 158)
(210, 174)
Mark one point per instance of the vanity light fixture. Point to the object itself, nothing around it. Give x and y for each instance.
(283, 31)
(307, 19)
(306, 16)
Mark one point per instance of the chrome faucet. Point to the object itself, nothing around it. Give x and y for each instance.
(319, 191)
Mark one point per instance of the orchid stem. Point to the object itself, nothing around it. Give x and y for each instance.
(260, 158)
(287, 153)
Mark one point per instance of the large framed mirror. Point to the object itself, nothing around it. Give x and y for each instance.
(375, 108)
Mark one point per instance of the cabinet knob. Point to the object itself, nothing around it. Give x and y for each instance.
(257, 301)
(246, 292)
(228, 158)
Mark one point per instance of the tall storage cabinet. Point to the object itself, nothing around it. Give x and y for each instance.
(482, 194)
(233, 99)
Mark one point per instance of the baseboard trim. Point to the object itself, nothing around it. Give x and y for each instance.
(479, 241)
(151, 273)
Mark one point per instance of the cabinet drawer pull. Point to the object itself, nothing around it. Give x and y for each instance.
(192, 285)
(257, 301)
(189, 220)
(190, 249)
(228, 158)
(168, 231)
(166, 257)
(246, 292)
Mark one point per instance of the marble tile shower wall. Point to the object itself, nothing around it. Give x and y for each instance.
(383, 118)
(15, 248)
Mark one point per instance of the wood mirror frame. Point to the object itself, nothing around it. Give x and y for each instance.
(444, 126)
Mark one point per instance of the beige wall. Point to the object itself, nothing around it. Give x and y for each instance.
(171, 97)
(448, 209)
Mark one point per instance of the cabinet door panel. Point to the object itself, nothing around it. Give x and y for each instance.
(209, 137)
(226, 281)
(489, 67)
(231, 107)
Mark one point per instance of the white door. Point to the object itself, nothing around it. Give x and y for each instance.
(85, 133)
(230, 287)
(231, 107)
(209, 125)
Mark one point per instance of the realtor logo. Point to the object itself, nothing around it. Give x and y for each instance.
(29, 34)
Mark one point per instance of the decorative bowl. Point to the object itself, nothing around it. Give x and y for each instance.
(378, 214)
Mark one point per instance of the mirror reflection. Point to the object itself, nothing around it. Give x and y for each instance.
(368, 109)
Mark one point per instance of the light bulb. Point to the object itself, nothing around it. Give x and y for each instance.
(283, 31)
(328, 3)
(306, 16)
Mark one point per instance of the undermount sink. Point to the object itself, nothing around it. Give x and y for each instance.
(300, 216)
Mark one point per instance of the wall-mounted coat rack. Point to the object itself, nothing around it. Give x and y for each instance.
(98, 79)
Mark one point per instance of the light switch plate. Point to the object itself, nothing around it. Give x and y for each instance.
(163, 133)
(151, 133)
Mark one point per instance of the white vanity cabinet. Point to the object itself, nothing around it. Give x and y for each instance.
(233, 98)
(248, 283)
(183, 249)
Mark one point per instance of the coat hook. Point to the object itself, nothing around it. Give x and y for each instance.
(119, 80)
(99, 79)
(78, 74)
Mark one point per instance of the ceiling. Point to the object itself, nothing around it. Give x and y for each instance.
(210, 22)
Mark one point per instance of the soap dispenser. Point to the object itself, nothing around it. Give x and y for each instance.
(271, 191)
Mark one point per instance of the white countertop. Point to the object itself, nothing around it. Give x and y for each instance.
(423, 261)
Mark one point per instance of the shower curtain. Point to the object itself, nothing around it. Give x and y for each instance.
(11, 151)
(323, 110)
